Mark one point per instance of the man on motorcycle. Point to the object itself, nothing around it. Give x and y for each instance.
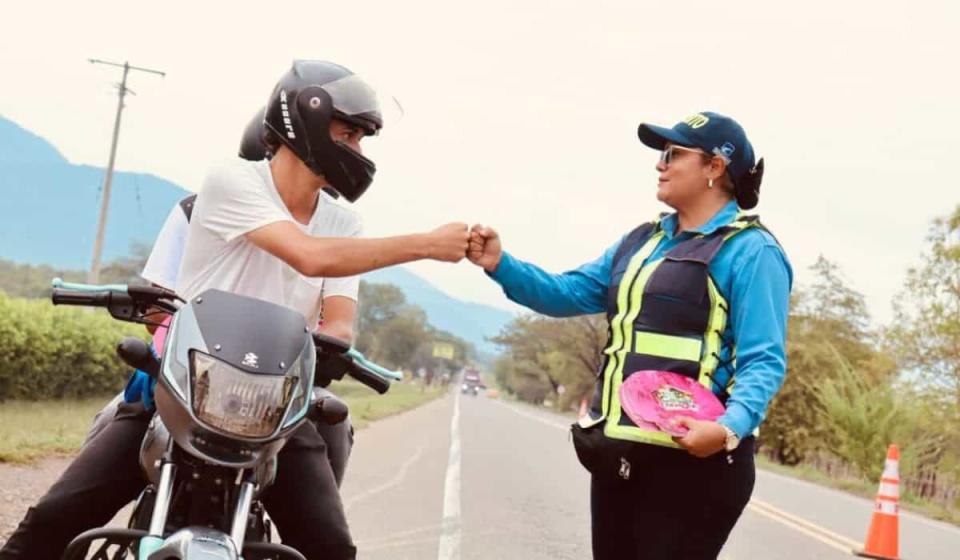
(261, 229)
(162, 270)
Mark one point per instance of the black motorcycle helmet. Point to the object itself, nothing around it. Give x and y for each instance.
(252, 145)
(306, 99)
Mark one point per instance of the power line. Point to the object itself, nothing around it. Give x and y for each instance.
(94, 276)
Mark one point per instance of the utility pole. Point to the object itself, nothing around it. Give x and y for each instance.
(94, 276)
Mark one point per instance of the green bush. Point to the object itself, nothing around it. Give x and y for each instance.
(49, 352)
(862, 416)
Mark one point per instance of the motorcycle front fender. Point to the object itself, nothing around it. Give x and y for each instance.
(195, 543)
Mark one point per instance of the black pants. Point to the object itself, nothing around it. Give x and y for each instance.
(304, 501)
(673, 507)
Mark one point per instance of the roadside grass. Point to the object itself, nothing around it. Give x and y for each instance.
(32, 430)
(366, 405)
(863, 488)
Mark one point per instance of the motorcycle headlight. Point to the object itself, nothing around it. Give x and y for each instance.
(237, 402)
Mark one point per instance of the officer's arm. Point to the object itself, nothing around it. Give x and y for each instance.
(759, 305)
(579, 291)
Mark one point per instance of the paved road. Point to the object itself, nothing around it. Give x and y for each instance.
(471, 478)
(466, 478)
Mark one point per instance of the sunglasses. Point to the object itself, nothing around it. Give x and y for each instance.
(668, 153)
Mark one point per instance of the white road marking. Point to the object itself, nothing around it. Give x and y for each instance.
(449, 548)
(516, 409)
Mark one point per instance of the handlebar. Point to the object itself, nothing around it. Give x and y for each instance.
(122, 300)
(356, 364)
(62, 297)
(89, 288)
(377, 369)
(369, 378)
(120, 305)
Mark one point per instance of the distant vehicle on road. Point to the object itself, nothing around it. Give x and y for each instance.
(472, 383)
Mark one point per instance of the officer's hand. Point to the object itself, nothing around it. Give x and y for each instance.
(448, 242)
(704, 438)
(485, 248)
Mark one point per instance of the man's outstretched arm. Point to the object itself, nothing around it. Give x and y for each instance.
(332, 257)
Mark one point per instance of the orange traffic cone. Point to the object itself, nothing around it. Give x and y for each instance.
(884, 533)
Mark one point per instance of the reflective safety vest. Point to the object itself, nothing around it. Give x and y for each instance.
(666, 314)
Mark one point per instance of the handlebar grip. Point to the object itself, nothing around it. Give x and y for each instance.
(370, 366)
(368, 378)
(88, 288)
(65, 297)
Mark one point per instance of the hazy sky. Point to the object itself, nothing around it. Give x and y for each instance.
(523, 114)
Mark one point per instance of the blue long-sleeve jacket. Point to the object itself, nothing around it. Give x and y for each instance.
(751, 271)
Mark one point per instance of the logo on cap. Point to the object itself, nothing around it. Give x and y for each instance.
(696, 121)
(725, 151)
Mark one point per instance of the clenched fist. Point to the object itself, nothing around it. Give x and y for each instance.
(485, 248)
(448, 242)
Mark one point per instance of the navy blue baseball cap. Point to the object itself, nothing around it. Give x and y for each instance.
(719, 135)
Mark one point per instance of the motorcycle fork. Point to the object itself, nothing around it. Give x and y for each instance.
(161, 506)
(241, 512)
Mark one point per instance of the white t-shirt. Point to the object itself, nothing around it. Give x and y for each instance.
(239, 197)
(163, 264)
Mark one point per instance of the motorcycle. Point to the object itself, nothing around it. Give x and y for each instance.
(235, 380)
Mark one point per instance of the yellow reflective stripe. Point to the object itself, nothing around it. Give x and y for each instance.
(669, 343)
(739, 225)
(615, 380)
(715, 325)
(632, 433)
(668, 346)
(618, 334)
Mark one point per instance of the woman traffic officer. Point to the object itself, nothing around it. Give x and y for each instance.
(699, 296)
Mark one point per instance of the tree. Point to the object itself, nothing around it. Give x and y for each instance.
(827, 317)
(542, 354)
(862, 417)
(925, 338)
(926, 333)
(398, 334)
(398, 338)
(379, 303)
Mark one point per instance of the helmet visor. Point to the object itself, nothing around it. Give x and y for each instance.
(352, 96)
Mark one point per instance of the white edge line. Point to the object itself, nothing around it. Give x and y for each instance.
(534, 417)
(449, 546)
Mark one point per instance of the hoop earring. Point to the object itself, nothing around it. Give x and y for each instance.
(710, 183)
